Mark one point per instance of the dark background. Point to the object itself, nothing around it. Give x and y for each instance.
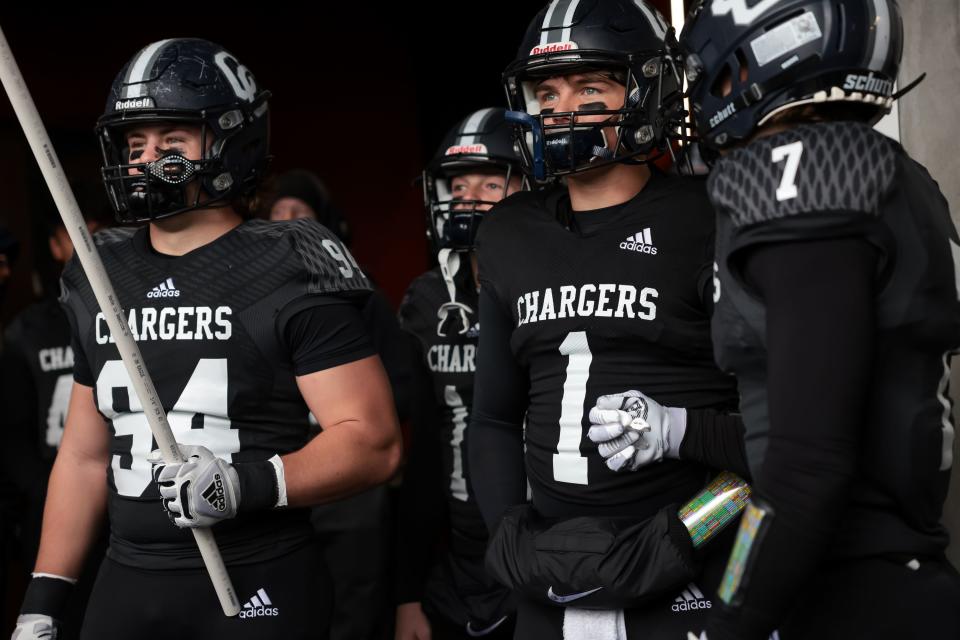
(362, 95)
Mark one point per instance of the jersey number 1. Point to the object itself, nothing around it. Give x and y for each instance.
(568, 464)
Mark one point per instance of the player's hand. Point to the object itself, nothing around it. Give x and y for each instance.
(692, 636)
(199, 492)
(35, 626)
(412, 623)
(632, 430)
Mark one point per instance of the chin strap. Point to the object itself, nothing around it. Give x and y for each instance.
(449, 266)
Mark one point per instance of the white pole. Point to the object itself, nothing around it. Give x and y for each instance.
(73, 220)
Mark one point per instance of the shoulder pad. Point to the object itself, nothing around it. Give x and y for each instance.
(840, 168)
(113, 235)
(422, 300)
(328, 264)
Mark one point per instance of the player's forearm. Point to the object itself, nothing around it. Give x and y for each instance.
(496, 467)
(73, 513)
(342, 460)
(495, 435)
(816, 400)
(715, 439)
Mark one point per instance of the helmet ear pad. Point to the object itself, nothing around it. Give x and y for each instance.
(239, 155)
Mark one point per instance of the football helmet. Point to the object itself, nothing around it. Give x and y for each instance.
(482, 141)
(628, 39)
(193, 81)
(745, 64)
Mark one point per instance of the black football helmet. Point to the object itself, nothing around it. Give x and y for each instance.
(185, 80)
(626, 38)
(484, 140)
(746, 64)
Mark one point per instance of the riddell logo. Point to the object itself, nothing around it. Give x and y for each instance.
(475, 149)
(553, 47)
(134, 103)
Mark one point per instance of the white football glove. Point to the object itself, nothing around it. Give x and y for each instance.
(35, 626)
(199, 492)
(632, 430)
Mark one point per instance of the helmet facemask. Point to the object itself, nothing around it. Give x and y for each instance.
(451, 222)
(649, 114)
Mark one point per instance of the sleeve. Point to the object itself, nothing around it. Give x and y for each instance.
(819, 370)
(715, 439)
(806, 184)
(328, 265)
(495, 435)
(72, 304)
(421, 507)
(328, 333)
(390, 342)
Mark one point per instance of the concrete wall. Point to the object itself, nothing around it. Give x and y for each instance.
(929, 130)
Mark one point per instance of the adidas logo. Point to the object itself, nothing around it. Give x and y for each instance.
(474, 331)
(164, 290)
(641, 242)
(259, 606)
(691, 599)
(214, 494)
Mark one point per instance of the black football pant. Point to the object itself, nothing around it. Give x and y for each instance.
(879, 599)
(286, 597)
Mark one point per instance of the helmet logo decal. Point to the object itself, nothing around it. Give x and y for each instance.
(789, 36)
(654, 17)
(742, 14)
(141, 65)
(241, 80)
(553, 47)
(868, 84)
(474, 149)
(723, 114)
(134, 103)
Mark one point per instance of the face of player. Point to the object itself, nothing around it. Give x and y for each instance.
(291, 209)
(148, 142)
(488, 187)
(61, 246)
(581, 93)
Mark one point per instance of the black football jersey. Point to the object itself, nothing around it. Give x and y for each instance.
(458, 587)
(609, 301)
(846, 180)
(210, 326)
(451, 358)
(39, 340)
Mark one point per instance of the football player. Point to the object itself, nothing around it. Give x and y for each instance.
(356, 533)
(450, 596)
(837, 309)
(37, 364)
(245, 327)
(596, 297)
